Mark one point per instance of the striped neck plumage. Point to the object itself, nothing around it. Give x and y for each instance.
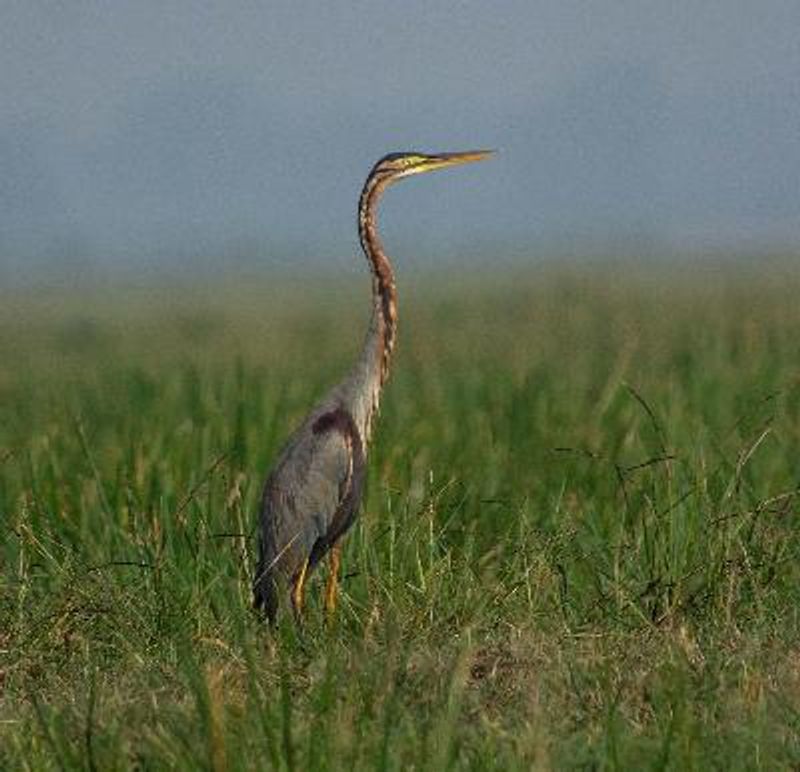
(384, 292)
(372, 369)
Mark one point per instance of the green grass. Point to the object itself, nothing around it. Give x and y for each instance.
(579, 546)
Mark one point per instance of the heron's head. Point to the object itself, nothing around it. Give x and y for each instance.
(398, 165)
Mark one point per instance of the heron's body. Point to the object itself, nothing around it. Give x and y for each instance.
(312, 495)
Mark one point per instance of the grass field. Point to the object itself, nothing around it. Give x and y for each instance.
(579, 546)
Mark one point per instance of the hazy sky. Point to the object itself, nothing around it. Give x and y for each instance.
(138, 130)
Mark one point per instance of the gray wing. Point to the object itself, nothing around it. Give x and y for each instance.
(309, 500)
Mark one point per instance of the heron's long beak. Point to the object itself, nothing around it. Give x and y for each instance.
(453, 159)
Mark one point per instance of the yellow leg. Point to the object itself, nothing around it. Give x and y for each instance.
(333, 579)
(298, 590)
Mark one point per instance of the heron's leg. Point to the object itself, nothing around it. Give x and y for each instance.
(298, 590)
(333, 578)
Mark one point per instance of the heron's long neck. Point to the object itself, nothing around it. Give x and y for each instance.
(372, 368)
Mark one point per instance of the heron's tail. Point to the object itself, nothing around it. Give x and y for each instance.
(265, 593)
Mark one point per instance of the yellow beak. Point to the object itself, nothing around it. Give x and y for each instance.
(453, 159)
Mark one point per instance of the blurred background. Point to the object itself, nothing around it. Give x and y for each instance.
(140, 139)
